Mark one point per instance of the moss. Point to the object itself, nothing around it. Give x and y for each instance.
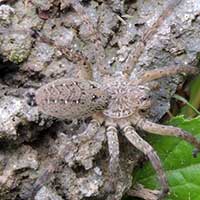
(18, 56)
(16, 47)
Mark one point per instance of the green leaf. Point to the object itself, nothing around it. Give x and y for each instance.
(183, 171)
(194, 98)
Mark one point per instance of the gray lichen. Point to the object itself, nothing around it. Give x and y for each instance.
(11, 109)
(6, 13)
(12, 162)
(15, 47)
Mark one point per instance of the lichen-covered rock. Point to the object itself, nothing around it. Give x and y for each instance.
(79, 149)
(47, 194)
(39, 58)
(30, 32)
(15, 47)
(10, 109)
(13, 161)
(79, 187)
(6, 12)
(89, 186)
(15, 116)
(43, 4)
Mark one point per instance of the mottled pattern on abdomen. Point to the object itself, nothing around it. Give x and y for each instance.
(70, 98)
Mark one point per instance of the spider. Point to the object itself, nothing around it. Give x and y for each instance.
(118, 101)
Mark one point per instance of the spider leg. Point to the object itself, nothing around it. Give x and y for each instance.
(83, 64)
(164, 72)
(148, 34)
(143, 193)
(90, 131)
(113, 147)
(94, 37)
(153, 85)
(44, 178)
(148, 150)
(169, 131)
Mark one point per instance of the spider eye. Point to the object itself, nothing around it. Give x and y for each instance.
(143, 110)
(94, 97)
(145, 98)
(92, 86)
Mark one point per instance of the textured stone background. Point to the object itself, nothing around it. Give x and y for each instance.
(30, 140)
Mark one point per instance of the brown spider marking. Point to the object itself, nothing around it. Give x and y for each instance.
(118, 102)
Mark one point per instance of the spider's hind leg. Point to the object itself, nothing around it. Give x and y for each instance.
(170, 131)
(148, 150)
(164, 72)
(139, 191)
(113, 147)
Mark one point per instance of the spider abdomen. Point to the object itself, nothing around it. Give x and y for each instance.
(70, 98)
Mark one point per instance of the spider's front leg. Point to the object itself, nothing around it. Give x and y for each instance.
(169, 131)
(94, 37)
(148, 150)
(164, 72)
(113, 147)
(148, 34)
(83, 65)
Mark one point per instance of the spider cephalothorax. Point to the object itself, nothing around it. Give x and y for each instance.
(116, 101)
(126, 98)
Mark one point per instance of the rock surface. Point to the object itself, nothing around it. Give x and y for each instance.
(30, 139)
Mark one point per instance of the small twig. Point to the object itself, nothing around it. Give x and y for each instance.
(176, 96)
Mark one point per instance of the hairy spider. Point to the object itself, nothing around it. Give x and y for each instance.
(117, 101)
